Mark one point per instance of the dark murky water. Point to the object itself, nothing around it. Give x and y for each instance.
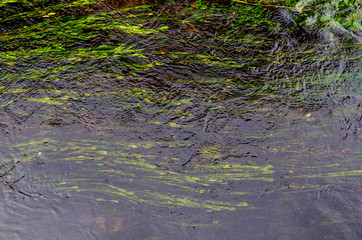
(133, 124)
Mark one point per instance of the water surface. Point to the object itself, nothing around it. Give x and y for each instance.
(138, 124)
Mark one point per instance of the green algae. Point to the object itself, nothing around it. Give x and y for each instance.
(350, 173)
(166, 200)
(141, 174)
(47, 100)
(69, 28)
(130, 29)
(81, 54)
(145, 165)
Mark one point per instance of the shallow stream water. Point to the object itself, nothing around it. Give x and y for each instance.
(133, 124)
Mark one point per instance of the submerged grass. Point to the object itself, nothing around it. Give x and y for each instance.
(143, 71)
(138, 171)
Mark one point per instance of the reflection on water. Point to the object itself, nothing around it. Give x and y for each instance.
(134, 124)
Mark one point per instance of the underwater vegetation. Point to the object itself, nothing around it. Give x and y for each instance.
(221, 107)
